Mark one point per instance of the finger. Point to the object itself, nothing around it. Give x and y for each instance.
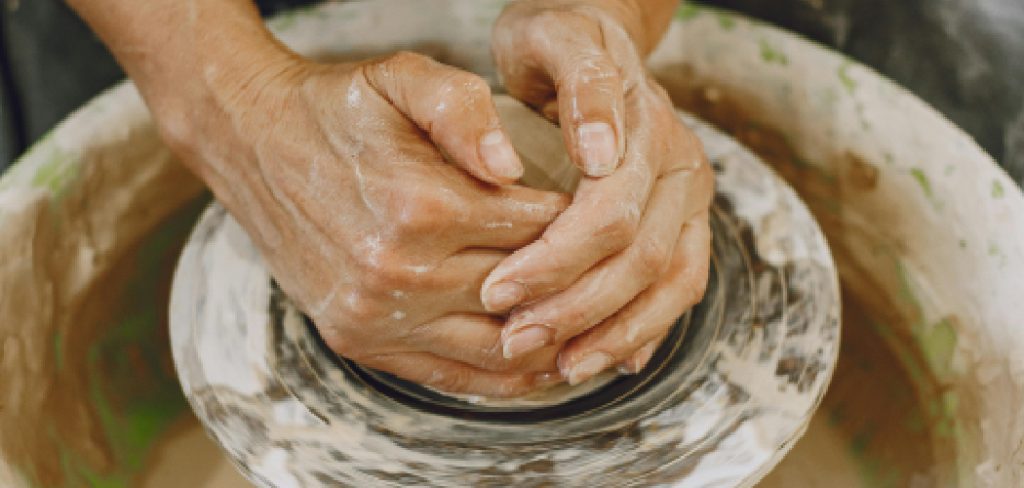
(452, 284)
(569, 50)
(511, 217)
(475, 339)
(455, 377)
(612, 283)
(605, 213)
(590, 108)
(454, 108)
(648, 317)
(601, 221)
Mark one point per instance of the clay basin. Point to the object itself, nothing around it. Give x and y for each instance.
(927, 231)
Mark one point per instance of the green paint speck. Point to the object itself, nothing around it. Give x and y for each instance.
(963, 244)
(687, 11)
(997, 189)
(938, 345)
(726, 21)
(772, 55)
(56, 170)
(906, 286)
(845, 79)
(922, 181)
(993, 249)
(951, 403)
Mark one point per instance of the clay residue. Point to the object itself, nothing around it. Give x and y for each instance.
(885, 400)
(63, 251)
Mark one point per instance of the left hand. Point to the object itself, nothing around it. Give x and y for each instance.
(611, 274)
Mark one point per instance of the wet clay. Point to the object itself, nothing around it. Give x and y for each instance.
(880, 411)
(61, 278)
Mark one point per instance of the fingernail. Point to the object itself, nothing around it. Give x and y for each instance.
(586, 368)
(597, 148)
(504, 295)
(498, 155)
(639, 360)
(526, 339)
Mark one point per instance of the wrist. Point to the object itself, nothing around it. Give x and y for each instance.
(218, 89)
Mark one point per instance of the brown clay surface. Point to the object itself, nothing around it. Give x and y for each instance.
(186, 456)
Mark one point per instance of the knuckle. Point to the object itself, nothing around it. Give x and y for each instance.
(620, 226)
(381, 270)
(463, 87)
(593, 67)
(362, 307)
(388, 277)
(540, 27)
(453, 380)
(419, 211)
(403, 59)
(652, 257)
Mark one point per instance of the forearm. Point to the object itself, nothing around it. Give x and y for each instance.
(183, 53)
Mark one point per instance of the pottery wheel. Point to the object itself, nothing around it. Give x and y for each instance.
(721, 402)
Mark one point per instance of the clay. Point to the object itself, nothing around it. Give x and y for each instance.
(64, 238)
(928, 192)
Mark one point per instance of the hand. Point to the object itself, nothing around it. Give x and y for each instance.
(611, 274)
(334, 171)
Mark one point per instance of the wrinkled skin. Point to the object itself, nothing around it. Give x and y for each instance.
(379, 239)
(381, 194)
(611, 274)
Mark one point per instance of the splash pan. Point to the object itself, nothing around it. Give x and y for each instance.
(721, 402)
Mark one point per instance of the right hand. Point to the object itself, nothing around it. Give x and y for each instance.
(337, 172)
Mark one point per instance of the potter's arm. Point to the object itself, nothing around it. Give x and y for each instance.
(185, 54)
(336, 172)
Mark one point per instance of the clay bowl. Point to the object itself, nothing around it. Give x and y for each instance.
(926, 230)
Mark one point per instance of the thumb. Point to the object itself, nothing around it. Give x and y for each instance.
(454, 108)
